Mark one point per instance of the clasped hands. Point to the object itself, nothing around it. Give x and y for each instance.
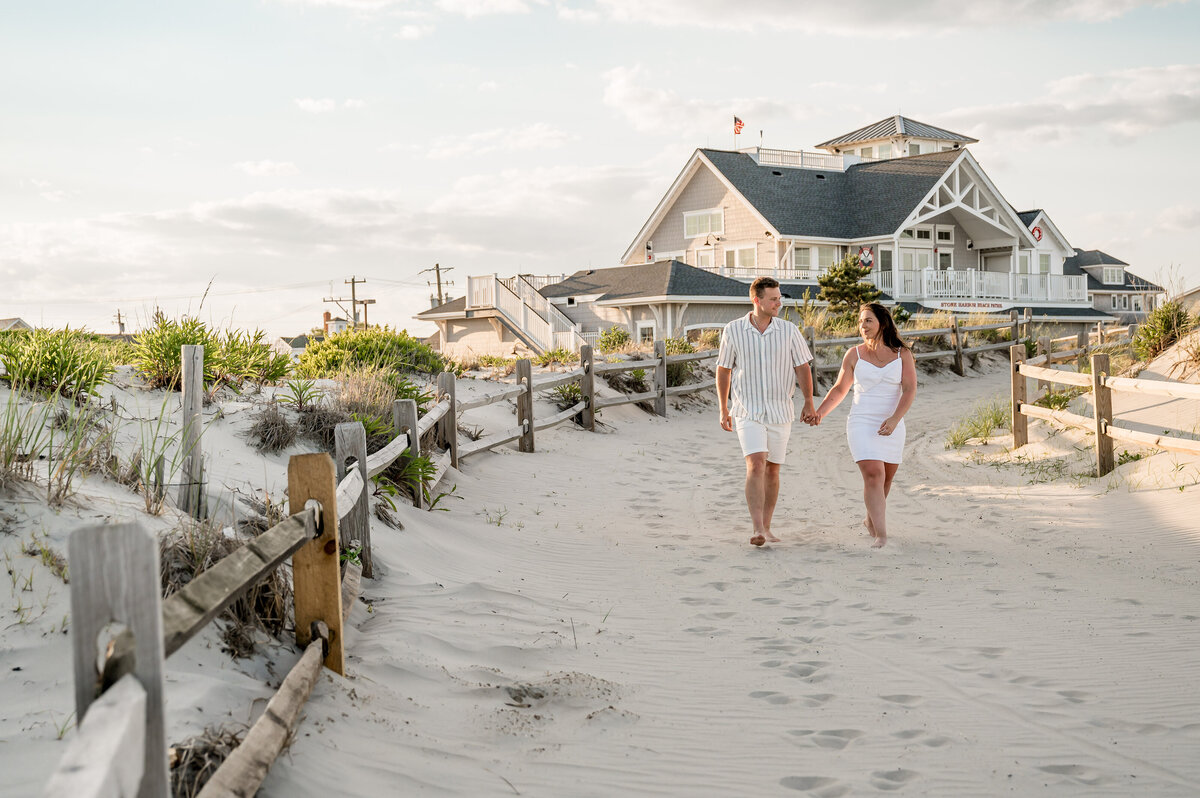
(810, 417)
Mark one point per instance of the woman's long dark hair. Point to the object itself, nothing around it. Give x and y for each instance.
(888, 334)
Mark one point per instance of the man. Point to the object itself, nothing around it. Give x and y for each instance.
(762, 358)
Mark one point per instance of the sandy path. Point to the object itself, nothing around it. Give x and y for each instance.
(589, 620)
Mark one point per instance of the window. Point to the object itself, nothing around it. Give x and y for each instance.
(945, 261)
(945, 147)
(704, 259)
(885, 259)
(917, 234)
(885, 150)
(645, 332)
(701, 223)
(1114, 275)
(1137, 302)
(802, 258)
(1124, 301)
(742, 257)
(1043, 263)
(914, 148)
(1113, 297)
(1023, 264)
(945, 235)
(867, 152)
(826, 257)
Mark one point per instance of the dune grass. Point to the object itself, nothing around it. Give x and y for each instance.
(981, 423)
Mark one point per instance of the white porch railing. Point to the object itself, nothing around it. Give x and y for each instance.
(519, 301)
(972, 284)
(798, 158)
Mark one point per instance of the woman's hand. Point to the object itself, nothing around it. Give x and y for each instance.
(888, 426)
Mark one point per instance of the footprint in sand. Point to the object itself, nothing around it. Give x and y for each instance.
(695, 601)
(1076, 696)
(992, 652)
(834, 739)
(1079, 773)
(719, 586)
(768, 600)
(821, 786)
(892, 779)
(686, 571)
(771, 697)
(806, 670)
(816, 699)
(792, 620)
(903, 700)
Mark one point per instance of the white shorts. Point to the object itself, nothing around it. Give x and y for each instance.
(758, 437)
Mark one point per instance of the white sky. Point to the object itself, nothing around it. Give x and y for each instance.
(278, 148)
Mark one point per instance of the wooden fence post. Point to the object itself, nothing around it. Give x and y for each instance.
(955, 339)
(525, 404)
(587, 387)
(1044, 347)
(404, 422)
(448, 426)
(316, 568)
(350, 440)
(192, 388)
(1016, 326)
(660, 378)
(1020, 424)
(1099, 334)
(1102, 399)
(114, 578)
(1028, 322)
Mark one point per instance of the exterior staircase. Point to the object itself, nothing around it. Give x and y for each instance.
(529, 315)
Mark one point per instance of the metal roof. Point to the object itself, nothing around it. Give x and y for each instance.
(897, 126)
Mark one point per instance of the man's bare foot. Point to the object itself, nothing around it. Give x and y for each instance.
(870, 527)
(757, 540)
(880, 542)
(770, 538)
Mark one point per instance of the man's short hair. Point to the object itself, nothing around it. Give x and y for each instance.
(761, 284)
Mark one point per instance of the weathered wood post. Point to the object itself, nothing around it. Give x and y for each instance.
(1020, 424)
(448, 426)
(114, 578)
(1028, 322)
(660, 378)
(1081, 343)
(1044, 347)
(316, 568)
(956, 340)
(810, 338)
(1102, 399)
(192, 387)
(404, 422)
(1016, 326)
(350, 441)
(587, 387)
(525, 405)
(1099, 334)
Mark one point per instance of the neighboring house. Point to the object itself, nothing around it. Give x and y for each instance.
(666, 299)
(1190, 299)
(13, 324)
(334, 324)
(1113, 288)
(293, 347)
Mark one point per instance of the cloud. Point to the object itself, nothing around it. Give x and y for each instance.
(537, 136)
(414, 32)
(313, 106)
(267, 168)
(354, 105)
(481, 8)
(653, 109)
(1179, 218)
(850, 17)
(488, 85)
(1126, 104)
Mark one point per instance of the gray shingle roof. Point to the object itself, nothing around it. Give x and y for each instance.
(1027, 217)
(662, 278)
(1093, 257)
(897, 126)
(867, 199)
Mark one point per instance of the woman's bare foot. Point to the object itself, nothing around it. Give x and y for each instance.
(870, 527)
(769, 537)
(880, 541)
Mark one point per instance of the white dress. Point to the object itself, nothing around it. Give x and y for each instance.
(876, 394)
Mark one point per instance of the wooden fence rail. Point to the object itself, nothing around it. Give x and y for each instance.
(1101, 385)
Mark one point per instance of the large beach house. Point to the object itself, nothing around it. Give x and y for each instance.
(908, 198)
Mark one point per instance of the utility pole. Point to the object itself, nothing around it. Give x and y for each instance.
(364, 303)
(353, 301)
(120, 323)
(438, 270)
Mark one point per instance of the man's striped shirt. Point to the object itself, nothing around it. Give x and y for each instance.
(764, 368)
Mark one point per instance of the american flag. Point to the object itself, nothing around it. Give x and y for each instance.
(737, 125)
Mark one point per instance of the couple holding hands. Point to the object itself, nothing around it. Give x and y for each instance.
(760, 361)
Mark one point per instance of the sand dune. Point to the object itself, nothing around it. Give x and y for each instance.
(588, 620)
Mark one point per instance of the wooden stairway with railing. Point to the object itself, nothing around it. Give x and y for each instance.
(529, 315)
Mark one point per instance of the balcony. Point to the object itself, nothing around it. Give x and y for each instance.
(972, 284)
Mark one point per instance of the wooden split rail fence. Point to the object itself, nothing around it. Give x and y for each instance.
(1101, 385)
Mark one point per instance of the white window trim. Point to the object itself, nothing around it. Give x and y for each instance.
(751, 245)
(912, 239)
(943, 228)
(706, 212)
(1110, 270)
(645, 325)
(948, 254)
(1113, 301)
(1049, 263)
(1135, 303)
(708, 251)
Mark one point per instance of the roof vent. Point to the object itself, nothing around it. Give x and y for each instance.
(820, 177)
(590, 271)
(776, 172)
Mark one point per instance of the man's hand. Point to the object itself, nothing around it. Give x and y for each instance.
(726, 421)
(809, 414)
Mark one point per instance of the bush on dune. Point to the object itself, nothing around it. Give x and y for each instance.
(381, 347)
(64, 362)
(1165, 325)
(232, 358)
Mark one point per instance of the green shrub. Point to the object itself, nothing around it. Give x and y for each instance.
(563, 356)
(842, 286)
(1165, 325)
(678, 373)
(708, 339)
(157, 349)
(64, 362)
(566, 395)
(613, 339)
(981, 422)
(382, 347)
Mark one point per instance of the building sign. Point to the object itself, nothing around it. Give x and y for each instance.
(966, 304)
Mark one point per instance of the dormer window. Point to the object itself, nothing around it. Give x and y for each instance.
(702, 223)
(917, 234)
(1113, 275)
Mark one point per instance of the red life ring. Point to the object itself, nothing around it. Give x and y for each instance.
(1037, 234)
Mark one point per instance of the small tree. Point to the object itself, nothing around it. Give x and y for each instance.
(842, 285)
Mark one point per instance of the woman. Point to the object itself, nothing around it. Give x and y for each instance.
(884, 376)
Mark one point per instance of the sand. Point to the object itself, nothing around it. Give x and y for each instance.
(590, 620)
